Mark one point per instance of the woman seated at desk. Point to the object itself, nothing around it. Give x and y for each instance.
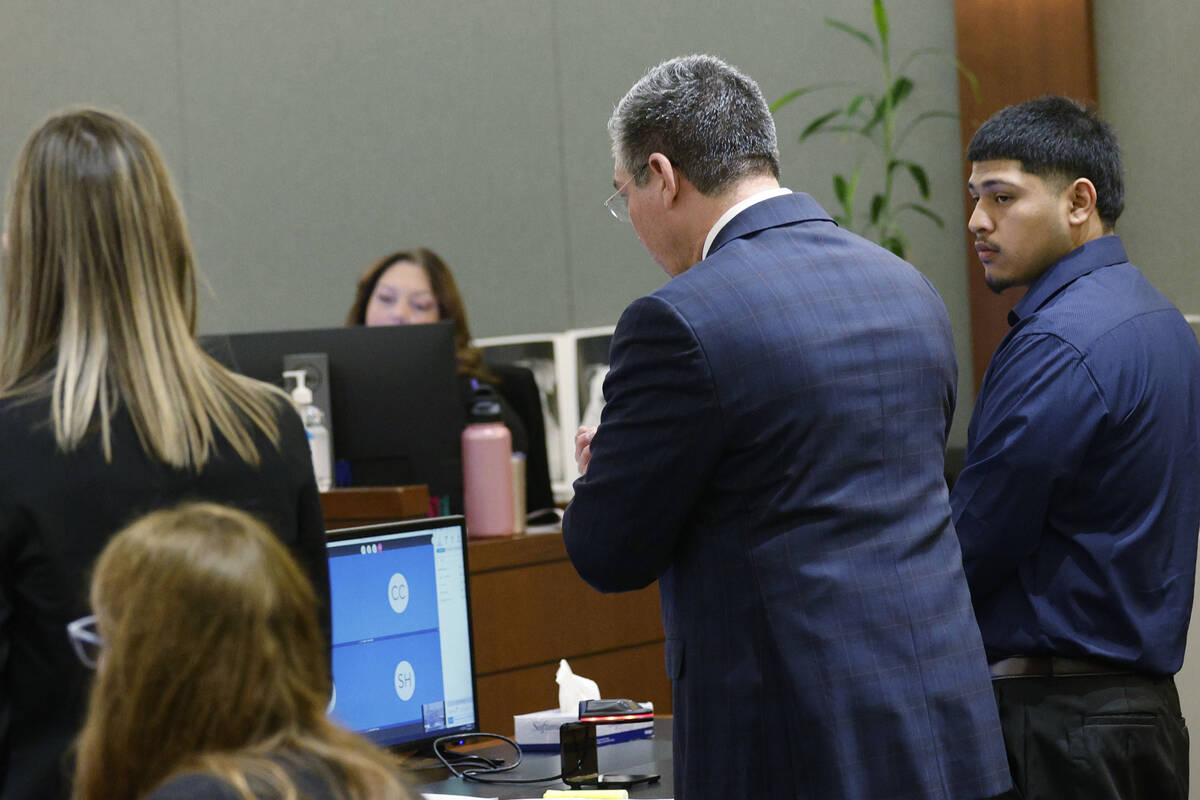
(413, 287)
(212, 671)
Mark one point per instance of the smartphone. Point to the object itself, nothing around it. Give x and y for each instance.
(613, 711)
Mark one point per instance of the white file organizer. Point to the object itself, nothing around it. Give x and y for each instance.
(568, 404)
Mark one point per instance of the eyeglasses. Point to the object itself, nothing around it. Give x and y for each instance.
(85, 640)
(617, 203)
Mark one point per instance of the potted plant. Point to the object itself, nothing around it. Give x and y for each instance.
(881, 113)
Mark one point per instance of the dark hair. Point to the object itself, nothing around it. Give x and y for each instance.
(708, 118)
(1057, 137)
(445, 291)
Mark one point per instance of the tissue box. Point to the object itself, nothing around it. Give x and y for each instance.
(539, 731)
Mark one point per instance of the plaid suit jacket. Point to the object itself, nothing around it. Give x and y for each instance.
(771, 452)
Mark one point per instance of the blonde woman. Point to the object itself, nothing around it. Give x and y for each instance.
(225, 704)
(108, 409)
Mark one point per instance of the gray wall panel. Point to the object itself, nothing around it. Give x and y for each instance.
(56, 54)
(312, 137)
(324, 136)
(1147, 64)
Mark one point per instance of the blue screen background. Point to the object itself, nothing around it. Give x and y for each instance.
(364, 671)
(365, 679)
(359, 585)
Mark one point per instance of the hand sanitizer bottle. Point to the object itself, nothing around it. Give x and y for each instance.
(314, 426)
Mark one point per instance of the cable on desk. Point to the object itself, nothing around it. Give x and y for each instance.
(491, 766)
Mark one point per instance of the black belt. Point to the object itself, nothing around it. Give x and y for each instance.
(1054, 666)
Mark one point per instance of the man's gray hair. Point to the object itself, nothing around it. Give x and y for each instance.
(707, 117)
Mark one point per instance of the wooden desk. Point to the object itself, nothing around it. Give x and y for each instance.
(529, 608)
(345, 508)
(638, 757)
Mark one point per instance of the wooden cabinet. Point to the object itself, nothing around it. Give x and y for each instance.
(529, 608)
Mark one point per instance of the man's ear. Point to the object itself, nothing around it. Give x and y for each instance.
(1081, 198)
(661, 166)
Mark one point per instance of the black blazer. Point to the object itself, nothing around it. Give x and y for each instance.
(57, 511)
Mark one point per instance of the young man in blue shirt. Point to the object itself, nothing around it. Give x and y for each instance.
(1079, 502)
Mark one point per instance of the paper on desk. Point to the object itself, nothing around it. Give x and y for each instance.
(433, 796)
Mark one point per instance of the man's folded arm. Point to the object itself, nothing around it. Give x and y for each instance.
(655, 449)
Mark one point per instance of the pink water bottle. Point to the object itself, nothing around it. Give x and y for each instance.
(487, 468)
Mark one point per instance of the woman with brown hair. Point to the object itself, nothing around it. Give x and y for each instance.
(227, 703)
(109, 409)
(412, 287)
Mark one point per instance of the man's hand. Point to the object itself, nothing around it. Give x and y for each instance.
(583, 448)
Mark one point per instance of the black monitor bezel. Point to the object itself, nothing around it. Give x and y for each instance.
(406, 526)
(376, 423)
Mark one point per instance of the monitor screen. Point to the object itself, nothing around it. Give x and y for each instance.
(403, 665)
(394, 397)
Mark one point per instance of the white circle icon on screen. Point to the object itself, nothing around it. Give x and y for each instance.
(406, 681)
(398, 593)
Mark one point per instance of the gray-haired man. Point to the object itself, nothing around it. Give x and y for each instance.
(771, 453)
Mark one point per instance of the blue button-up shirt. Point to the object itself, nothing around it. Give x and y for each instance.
(1079, 503)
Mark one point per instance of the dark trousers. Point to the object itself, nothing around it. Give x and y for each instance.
(1094, 737)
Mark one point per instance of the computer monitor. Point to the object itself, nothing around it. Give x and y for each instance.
(403, 663)
(396, 408)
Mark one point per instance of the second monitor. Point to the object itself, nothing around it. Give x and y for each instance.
(395, 401)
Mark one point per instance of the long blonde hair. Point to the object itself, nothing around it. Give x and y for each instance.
(100, 299)
(213, 662)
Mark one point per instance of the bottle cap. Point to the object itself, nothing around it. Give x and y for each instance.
(485, 405)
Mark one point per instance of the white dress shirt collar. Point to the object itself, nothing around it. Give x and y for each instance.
(736, 209)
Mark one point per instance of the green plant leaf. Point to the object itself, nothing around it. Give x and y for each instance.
(893, 243)
(901, 88)
(855, 32)
(920, 178)
(924, 210)
(877, 204)
(881, 21)
(845, 191)
(915, 54)
(841, 189)
(818, 123)
(803, 90)
(853, 189)
(853, 106)
(924, 116)
(972, 81)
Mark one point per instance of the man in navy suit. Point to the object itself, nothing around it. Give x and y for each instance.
(771, 452)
